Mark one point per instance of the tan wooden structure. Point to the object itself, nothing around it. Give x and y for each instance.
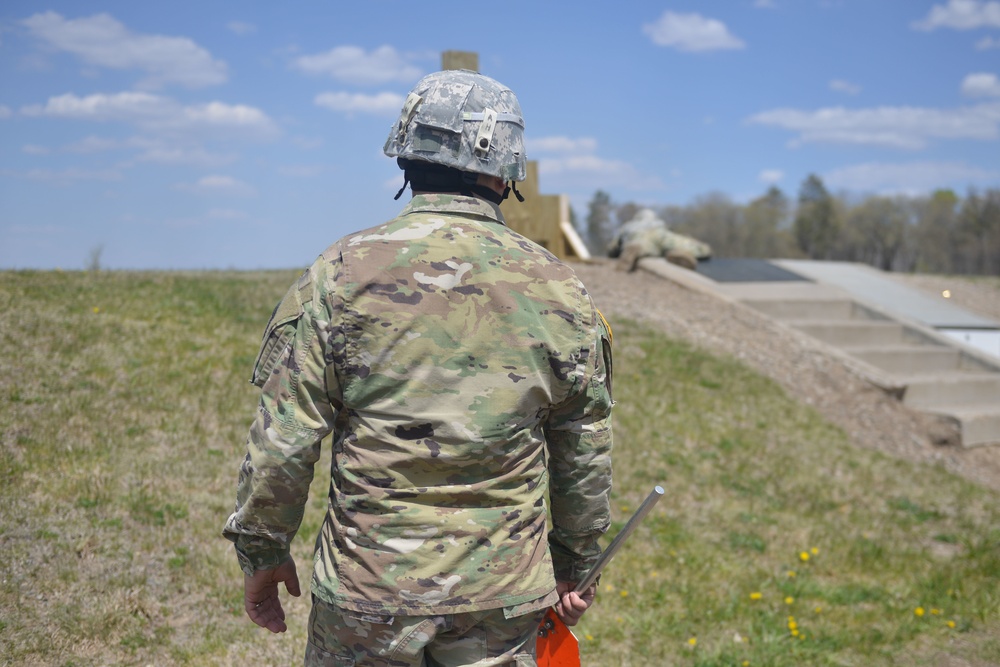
(542, 218)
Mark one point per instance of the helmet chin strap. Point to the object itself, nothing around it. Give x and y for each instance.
(430, 177)
(513, 187)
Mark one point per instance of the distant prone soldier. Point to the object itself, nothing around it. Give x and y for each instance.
(645, 235)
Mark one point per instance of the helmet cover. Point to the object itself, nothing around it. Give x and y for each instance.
(464, 120)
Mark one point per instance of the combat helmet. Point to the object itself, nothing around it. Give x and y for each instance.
(459, 122)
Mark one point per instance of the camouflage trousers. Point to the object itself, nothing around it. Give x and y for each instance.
(485, 639)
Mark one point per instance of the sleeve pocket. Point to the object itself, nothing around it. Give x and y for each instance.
(277, 336)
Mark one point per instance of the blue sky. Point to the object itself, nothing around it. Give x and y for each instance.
(189, 135)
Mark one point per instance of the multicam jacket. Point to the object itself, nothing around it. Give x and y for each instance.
(465, 375)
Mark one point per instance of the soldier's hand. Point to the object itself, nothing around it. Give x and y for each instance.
(571, 604)
(260, 595)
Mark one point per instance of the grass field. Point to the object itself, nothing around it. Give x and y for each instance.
(125, 403)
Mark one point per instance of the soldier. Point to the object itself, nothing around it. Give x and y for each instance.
(645, 235)
(464, 374)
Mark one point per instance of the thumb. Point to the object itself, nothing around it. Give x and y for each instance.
(292, 579)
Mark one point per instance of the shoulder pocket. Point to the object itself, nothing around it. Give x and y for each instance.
(277, 336)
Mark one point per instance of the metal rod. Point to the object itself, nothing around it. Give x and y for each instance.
(609, 553)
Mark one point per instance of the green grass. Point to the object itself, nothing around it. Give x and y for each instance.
(125, 407)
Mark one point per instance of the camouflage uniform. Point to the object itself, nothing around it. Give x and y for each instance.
(465, 375)
(647, 236)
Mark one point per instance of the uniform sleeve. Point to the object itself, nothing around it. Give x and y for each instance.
(294, 414)
(579, 438)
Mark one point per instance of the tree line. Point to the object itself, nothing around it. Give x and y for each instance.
(936, 233)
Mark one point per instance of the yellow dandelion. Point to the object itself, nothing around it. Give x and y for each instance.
(589, 637)
(791, 574)
(792, 625)
(950, 624)
(624, 594)
(654, 574)
(791, 618)
(919, 611)
(804, 556)
(936, 612)
(96, 310)
(609, 588)
(795, 633)
(746, 663)
(693, 641)
(818, 610)
(756, 595)
(815, 551)
(789, 600)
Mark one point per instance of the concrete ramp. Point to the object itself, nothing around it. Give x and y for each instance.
(893, 335)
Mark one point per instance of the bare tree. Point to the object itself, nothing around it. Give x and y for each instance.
(599, 223)
(816, 225)
(94, 258)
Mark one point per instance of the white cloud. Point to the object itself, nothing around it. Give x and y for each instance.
(765, 4)
(895, 127)
(691, 33)
(771, 176)
(242, 27)
(907, 178)
(218, 185)
(32, 149)
(384, 104)
(134, 107)
(352, 64)
(962, 15)
(226, 214)
(308, 143)
(192, 155)
(158, 151)
(301, 170)
(5, 111)
(572, 162)
(74, 174)
(103, 41)
(987, 43)
(220, 114)
(561, 144)
(93, 144)
(981, 84)
(842, 86)
(155, 112)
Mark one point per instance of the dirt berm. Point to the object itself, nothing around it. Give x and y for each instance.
(871, 418)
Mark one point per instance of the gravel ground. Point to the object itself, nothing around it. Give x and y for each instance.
(869, 416)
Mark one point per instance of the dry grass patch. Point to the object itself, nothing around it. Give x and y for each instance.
(126, 403)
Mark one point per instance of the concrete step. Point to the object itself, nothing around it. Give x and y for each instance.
(893, 346)
(804, 309)
(960, 388)
(905, 360)
(852, 333)
(979, 425)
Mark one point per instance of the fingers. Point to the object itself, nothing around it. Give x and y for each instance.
(260, 595)
(571, 605)
(267, 613)
(286, 572)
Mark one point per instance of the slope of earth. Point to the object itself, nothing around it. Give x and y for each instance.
(871, 418)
